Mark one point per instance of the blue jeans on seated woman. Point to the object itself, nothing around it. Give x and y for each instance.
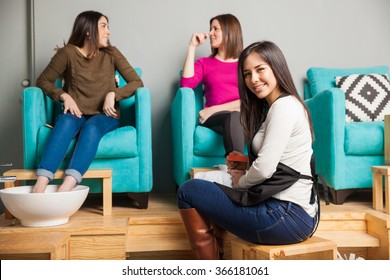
(272, 221)
(88, 130)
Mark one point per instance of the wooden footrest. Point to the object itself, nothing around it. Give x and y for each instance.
(314, 248)
(380, 173)
(34, 245)
(29, 174)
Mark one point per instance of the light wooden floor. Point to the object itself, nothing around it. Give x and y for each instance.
(157, 232)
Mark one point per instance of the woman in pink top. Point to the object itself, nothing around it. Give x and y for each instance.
(218, 73)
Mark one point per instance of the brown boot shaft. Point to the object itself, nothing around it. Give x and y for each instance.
(200, 234)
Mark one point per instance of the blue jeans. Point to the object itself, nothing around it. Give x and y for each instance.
(88, 130)
(272, 221)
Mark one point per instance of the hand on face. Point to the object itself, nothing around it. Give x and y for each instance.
(198, 38)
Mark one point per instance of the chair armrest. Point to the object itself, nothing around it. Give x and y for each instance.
(183, 122)
(143, 125)
(33, 117)
(327, 110)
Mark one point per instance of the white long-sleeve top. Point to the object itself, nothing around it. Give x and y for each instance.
(283, 137)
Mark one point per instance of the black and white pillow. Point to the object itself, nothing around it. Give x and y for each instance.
(367, 97)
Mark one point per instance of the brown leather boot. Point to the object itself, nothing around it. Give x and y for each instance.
(200, 234)
(220, 235)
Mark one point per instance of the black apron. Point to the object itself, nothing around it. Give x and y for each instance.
(283, 178)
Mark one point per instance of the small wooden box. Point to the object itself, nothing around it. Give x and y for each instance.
(34, 245)
(314, 248)
(380, 173)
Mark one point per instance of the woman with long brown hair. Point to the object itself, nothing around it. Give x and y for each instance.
(272, 202)
(87, 65)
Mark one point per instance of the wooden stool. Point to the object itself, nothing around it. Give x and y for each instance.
(314, 248)
(377, 187)
(104, 174)
(34, 245)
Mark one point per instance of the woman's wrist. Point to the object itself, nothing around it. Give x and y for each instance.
(62, 96)
(111, 94)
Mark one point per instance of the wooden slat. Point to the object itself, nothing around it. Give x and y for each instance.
(98, 247)
(312, 248)
(345, 225)
(162, 242)
(54, 244)
(28, 174)
(349, 238)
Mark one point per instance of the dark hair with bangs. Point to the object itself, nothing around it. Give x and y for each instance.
(231, 35)
(86, 27)
(253, 109)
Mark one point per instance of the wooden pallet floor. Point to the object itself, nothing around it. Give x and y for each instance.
(157, 232)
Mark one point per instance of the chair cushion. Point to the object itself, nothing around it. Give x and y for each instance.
(367, 97)
(321, 79)
(119, 143)
(207, 142)
(364, 138)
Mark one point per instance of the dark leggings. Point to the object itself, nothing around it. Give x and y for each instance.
(227, 123)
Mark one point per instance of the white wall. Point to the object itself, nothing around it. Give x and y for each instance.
(154, 35)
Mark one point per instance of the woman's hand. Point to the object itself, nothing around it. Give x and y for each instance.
(236, 175)
(109, 105)
(237, 165)
(70, 105)
(208, 111)
(198, 38)
(205, 113)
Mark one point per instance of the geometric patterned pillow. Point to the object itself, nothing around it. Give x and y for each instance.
(367, 97)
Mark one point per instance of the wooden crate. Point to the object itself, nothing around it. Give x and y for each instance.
(314, 248)
(380, 173)
(34, 246)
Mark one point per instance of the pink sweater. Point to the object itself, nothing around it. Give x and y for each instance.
(220, 80)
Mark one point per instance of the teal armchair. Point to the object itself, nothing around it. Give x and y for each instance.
(193, 145)
(126, 150)
(344, 151)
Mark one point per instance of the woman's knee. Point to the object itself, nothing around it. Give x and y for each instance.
(187, 187)
(182, 195)
(187, 192)
(68, 121)
(100, 124)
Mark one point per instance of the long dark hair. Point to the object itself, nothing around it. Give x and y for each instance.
(86, 27)
(253, 109)
(231, 34)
